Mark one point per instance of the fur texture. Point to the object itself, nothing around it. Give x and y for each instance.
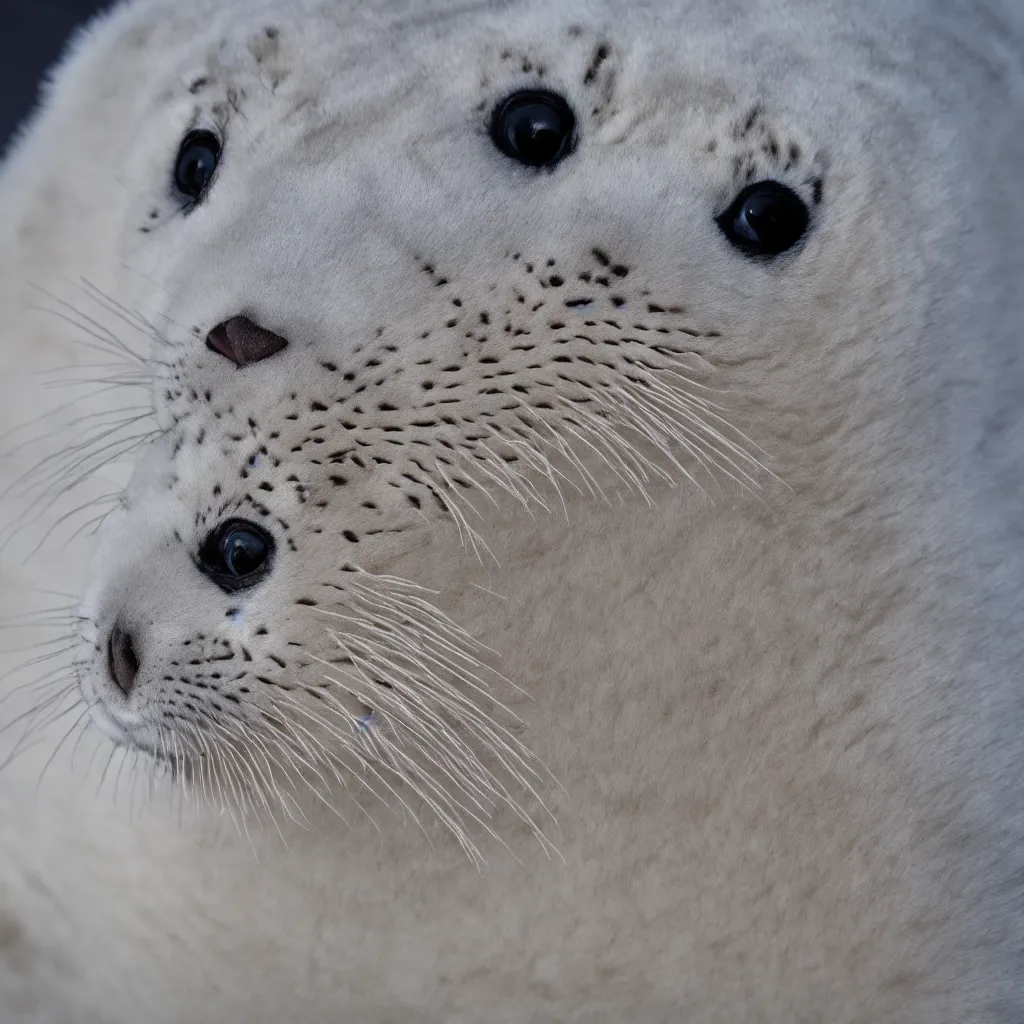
(642, 639)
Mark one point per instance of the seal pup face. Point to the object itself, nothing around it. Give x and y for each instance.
(410, 268)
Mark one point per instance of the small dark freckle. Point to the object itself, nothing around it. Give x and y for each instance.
(266, 486)
(348, 376)
(817, 189)
(262, 631)
(270, 32)
(618, 300)
(350, 536)
(330, 366)
(308, 602)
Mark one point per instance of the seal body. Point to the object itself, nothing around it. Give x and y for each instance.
(635, 634)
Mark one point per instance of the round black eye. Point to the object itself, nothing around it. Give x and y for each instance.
(765, 219)
(197, 160)
(534, 127)
(236, 552)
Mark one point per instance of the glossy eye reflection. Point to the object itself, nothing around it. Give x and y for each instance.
(197, 160)
(236, 554)
(766, 218)
(535, 127)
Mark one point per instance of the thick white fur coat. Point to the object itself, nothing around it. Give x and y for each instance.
(771, 641)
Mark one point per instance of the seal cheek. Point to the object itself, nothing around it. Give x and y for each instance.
(244, 342)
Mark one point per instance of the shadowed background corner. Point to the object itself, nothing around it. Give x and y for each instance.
(33, 37)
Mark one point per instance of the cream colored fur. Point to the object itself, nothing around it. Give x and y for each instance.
(775, 709)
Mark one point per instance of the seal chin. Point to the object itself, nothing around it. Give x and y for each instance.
(112, 725)
(107, 723)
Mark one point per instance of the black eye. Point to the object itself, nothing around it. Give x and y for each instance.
(534, 127)
(197, 160)
(236, 554)
(765, 219)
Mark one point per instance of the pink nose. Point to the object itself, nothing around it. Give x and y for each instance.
(244, 342)
(124, 663)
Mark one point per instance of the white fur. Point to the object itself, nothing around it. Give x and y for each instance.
(769, 625)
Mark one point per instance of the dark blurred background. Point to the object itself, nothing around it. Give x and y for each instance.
(32, 37)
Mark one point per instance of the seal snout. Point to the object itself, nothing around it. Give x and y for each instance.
(122, 660)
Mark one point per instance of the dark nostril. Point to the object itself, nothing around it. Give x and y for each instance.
(244, 342)
(124, 664)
